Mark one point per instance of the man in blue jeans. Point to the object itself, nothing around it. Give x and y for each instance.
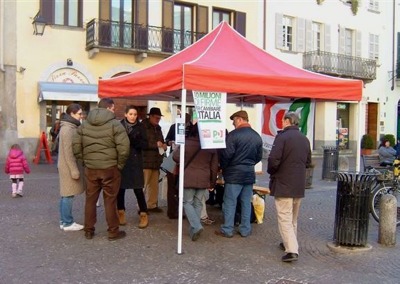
(243, 151)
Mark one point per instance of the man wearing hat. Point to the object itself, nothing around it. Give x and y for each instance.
(243, 151)
(153, 157)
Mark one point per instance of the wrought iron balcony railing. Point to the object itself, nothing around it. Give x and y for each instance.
(127, 37)
(340, 65)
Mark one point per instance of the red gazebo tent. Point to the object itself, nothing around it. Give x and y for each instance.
(224, 61)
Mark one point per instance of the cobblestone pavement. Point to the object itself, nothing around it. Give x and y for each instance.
(35, 250)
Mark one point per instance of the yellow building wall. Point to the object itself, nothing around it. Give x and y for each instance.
(42, 55)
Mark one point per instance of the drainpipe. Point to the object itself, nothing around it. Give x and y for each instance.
(2, 36)
(264, 24)
(394, 45)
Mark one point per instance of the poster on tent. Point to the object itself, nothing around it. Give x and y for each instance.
(275, 110)
(211, 115)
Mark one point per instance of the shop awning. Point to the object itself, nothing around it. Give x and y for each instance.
(50, 91)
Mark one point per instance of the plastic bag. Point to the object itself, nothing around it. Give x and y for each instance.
(259, 208)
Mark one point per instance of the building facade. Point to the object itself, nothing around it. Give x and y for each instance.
(85, 41)
(360, 44)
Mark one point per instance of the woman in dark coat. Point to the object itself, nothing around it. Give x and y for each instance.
(201, 167)
(132, 173)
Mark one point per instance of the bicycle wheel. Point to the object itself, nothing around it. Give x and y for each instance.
(376, 198)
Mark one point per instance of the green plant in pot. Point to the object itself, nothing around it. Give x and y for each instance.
(390, 138)
(367, 144)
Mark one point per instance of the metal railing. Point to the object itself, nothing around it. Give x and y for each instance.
(137, 38)
(340, 65)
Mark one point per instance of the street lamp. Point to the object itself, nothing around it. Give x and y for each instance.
(39, 23)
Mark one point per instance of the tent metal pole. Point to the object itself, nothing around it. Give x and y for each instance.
(181, 176)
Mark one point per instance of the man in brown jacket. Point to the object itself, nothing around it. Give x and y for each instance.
(153, 157)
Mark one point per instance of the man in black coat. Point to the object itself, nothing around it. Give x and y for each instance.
(287, 162)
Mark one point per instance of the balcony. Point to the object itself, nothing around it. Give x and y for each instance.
(340, 65)
(136, 39)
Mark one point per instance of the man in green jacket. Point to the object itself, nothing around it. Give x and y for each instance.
(103, 146)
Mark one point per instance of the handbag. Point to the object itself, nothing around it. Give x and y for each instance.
(176, 169)
(168, 164)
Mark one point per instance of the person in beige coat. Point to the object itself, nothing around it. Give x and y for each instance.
(70, 171)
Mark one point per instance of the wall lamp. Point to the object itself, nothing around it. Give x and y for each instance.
(39, 23)
(21, 70)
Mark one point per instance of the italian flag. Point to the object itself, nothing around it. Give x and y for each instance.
(274, 111)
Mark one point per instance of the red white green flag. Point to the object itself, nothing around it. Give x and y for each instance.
(274, 111)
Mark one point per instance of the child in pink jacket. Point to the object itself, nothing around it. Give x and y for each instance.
(15, 166)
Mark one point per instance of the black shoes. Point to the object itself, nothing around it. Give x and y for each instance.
(89, 235)
(120, 235)
(282, 246)
(221, 234)
(155, 210)
(289, 257)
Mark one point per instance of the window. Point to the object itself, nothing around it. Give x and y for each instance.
(373, 5)
(316, 36)
(119, 28)
(219, 16)
(348, 42)
(234, 18)
(373, 46)
(121, 23)
(287, 33)
(183, 26)
(62, 12)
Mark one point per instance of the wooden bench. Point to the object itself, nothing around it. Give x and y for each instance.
(371, 161)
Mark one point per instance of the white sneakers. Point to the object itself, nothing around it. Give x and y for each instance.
(72, 227)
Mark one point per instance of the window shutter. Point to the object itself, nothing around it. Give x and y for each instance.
(279, 31)
(80, 13)
(47, 10)
(168, 25)
(240, 23)
(104, 25)
(308, 38)
(371, 46)
(376, 47)
(141, 13)
(398, 58)
(300, 35)
(358, 44)
(342, 39)
(104, 11)
(201, 20)
(327, 38)
(140, 19)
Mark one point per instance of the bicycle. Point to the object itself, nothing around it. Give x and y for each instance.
(388, 182)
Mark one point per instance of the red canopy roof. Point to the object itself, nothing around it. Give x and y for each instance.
(224, 61)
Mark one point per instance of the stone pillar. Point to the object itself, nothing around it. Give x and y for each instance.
(387, 220)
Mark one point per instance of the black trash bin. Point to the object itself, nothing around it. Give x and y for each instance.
(352, 208)
(329, 163)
